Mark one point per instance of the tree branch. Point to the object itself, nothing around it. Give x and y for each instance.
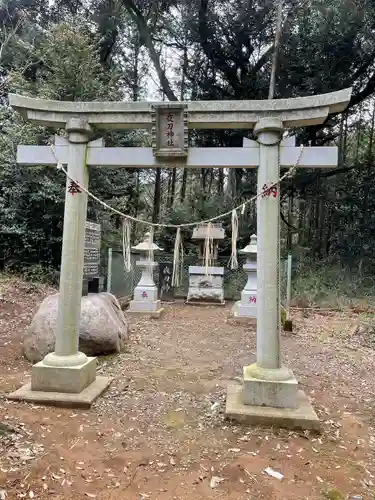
(363, 94)
(145, 35)
(307, 182)
(212, 48)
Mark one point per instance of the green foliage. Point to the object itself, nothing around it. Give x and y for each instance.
(70, 68)
(333, 494)
(330, 285)
(100, 50)
(5, 429)
(32, 198)
(34, 273)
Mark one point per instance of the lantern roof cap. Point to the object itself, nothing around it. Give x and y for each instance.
(252, 247)
(144, 246)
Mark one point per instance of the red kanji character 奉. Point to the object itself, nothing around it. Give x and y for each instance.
(144, 295)
(74, 188)
(253, 300)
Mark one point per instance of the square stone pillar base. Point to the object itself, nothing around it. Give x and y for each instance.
(73, 386)
(61, 378)
(143, 308)
(274, 393)
(301, 417)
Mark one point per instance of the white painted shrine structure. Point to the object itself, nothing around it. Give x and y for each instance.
(206, 284)
(269, 393)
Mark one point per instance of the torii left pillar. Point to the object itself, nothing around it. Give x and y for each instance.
(67, 376)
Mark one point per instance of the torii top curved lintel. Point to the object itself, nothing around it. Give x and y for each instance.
(294, 112)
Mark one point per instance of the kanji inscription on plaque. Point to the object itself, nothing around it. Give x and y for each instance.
(169, 130)
(92, 250)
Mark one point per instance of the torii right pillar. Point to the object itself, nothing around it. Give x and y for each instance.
(269, 394)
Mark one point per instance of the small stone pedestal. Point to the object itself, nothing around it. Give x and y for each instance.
(145, 301)
(206, 285)
(245, 310)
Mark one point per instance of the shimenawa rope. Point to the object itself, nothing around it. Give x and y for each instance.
(178, 249)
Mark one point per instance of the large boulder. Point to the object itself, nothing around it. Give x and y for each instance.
(103, 327)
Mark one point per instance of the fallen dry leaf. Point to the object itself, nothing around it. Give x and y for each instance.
(215, 481)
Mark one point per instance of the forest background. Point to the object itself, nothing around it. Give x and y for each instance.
(174, 50)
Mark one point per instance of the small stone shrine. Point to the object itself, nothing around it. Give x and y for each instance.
(145, 299)
(206, 284)
(246, 308)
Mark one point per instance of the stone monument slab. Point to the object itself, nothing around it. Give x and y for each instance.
(91, 263)
(166, 290)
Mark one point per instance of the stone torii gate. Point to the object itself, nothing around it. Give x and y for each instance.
(270, 390)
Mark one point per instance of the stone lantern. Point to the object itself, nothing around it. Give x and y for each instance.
(246, 308)
(206, 288)
(145, 299)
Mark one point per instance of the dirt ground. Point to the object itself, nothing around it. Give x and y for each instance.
(159, 432)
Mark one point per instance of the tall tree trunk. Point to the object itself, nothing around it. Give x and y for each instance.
(341, 141)
(359, 123)
(344, 144)
(279, 21)
(321, 226)
(308, 220)
(290, 221)
(135, 83)
(182, 98)
(369, 151)
(183, 185)
(136, 208)
(220, 182)
(232, 183)
(203, 181)
(211, 179)
(171, 187)
(156, 208)
(316, 218)
(328, 234)
(299, 221)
